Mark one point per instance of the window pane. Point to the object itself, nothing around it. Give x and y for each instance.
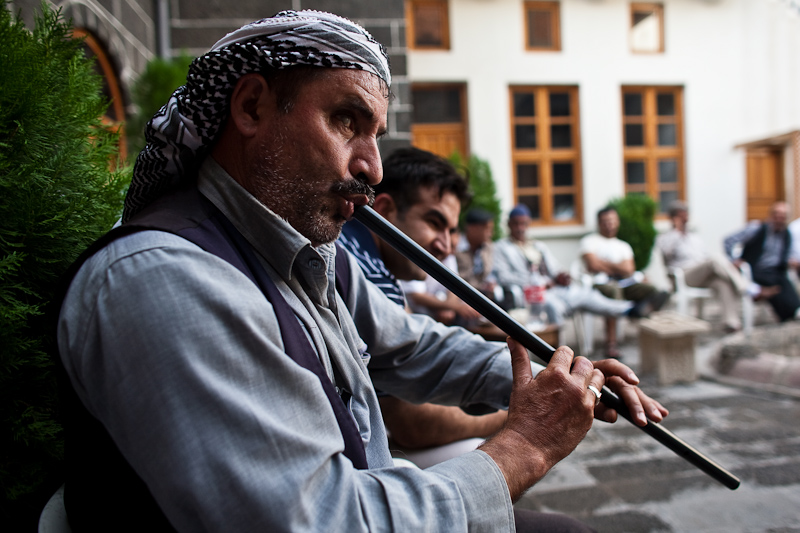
(563, 206)
(667, 135)
(668, 171)
(665, 198)
(525, 135)
(540, 29)
(634, 172)
(634, 135)
(432, 106)
(646, 31)
(633, 104)
(428, 24)
(665, 104)
(532, 201)
(559, 104)
(561, 136)
(523, 105)
(528, 175)
(562, 175)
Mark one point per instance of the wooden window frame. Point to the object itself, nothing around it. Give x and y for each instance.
(659, 9)
(544, 155)
(650, 152)
(554, 8)
(461, 127)
(444, 28)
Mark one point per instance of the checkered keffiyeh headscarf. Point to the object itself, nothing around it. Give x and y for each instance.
(184, 129)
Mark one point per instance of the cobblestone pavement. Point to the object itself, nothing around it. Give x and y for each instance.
(621, 480)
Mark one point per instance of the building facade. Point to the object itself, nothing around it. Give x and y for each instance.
(577, 102)
(126, 34)
(572, 102)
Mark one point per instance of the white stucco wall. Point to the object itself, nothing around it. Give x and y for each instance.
(738, 61)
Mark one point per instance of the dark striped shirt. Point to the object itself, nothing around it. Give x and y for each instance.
(357, 239)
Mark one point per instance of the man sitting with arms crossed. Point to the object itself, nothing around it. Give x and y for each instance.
(220, 379)
(422, 195)
(610, 260)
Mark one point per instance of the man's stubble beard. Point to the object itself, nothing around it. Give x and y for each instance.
(295, 198)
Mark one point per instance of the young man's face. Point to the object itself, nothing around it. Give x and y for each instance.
(608, 224)
(431, 223)
(314, 161)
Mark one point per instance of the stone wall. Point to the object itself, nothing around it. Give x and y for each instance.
(128, 29)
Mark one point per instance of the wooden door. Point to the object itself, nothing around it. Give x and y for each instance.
(439, 119)
(764, 181)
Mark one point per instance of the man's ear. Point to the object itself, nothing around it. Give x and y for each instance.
(384, 205)
(249, 103)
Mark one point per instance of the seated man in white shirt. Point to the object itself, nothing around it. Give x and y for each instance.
(610, 260)
(687, 251)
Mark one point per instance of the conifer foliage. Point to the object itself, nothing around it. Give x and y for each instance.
(59, 190)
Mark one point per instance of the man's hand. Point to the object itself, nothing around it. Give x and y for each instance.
(547, 417)
(563, 279)
(622, 380)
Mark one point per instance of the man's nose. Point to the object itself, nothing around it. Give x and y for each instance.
(443, 244)
(365, 161)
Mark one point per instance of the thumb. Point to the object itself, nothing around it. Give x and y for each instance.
(520, 362)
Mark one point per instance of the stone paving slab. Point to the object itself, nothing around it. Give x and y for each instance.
(620, 480)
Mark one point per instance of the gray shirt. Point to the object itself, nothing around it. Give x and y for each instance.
(179, 355)
(682, 250)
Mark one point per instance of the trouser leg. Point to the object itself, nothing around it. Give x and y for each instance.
(581, 298)
(534, 522)
(786, 302)
(704, 274)
(728, 300)
(638, 292)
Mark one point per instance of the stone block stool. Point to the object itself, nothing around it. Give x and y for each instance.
(666, 345)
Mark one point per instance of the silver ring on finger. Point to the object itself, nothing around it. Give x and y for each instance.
(596, 392)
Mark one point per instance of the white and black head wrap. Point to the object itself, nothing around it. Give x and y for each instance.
(181, 133)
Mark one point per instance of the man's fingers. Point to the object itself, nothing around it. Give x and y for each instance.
(562, 357)
(520, 362)
(612, 367)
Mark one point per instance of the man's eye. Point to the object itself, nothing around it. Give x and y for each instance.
(347, 121)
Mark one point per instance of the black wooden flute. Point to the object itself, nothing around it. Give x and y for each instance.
(497, 316)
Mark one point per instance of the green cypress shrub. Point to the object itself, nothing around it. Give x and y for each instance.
(481, 183)
(636, 215)
(59, 192)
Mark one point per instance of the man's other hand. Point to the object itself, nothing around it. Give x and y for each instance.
(548, 416)
(623, 381)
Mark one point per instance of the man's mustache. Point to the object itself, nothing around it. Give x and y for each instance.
(354, 187)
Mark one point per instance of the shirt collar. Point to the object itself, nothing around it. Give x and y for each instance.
(270, 235)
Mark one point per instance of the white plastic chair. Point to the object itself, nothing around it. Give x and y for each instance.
(684, 294)
(53, 518)
(748, 305)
